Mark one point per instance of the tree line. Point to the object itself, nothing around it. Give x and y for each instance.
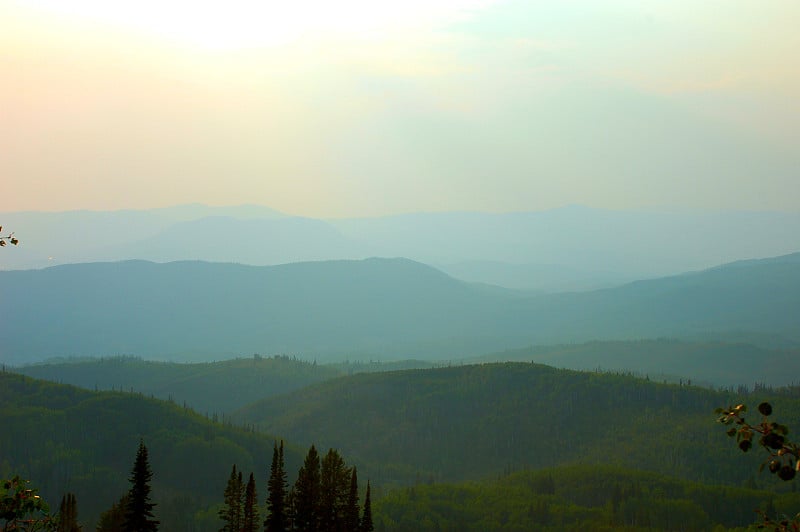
(325, 498)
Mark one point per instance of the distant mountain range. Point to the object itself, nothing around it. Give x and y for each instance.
(391, 308)
(567, 249)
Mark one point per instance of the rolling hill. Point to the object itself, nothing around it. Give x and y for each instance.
(470, 422)
(413, 428)
(66, 439)
(705, 363)
(227, 385)
(207, 387)
(206, 311)
(390, 308)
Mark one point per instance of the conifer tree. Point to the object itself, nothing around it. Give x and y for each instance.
(277, 515)
(139, 513)
(334, 491)
(231, 512)
(366, 520)
(68, 514)
(250, 515)
(306, 494)
(352, 512)
(72, 507)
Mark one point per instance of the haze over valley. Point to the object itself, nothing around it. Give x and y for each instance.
(463, 265)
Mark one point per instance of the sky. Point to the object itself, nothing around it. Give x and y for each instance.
(374, 107)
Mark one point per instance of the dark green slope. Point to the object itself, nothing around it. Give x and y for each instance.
(577, 498)
(472, 421)
(64, 438)
(224, 386)
(206, 387)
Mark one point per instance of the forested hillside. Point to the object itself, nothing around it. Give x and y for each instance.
(413, 428)
(227, 385)
(473, 421)
(578, 498)
(67, 439)
(208, 387)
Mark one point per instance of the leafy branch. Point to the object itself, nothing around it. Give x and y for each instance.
(7, 239)
(21, 507)
(783, 457)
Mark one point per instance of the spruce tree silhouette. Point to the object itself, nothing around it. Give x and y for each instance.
(139, 514)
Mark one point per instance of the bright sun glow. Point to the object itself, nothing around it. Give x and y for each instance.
(248, 23)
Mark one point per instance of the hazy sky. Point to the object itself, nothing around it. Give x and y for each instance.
(368, 107)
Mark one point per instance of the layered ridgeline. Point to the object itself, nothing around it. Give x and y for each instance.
(469, 422)
(67, 439)
(227, 385)
(209, 311)
(376, 307)
(570, 248)
(207, 387)
(714, 364)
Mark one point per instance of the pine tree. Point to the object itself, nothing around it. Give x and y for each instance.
(366, 520)
(231, 512)
(306, 494)
(62, 514)
(67, 520)
(277, 516)
(250, 515)
(139, 513)
(351, 520)
(334, 491)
